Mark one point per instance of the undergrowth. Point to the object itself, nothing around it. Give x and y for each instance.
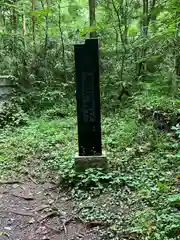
(137, 196)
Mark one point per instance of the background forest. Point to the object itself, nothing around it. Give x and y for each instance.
(140, 104)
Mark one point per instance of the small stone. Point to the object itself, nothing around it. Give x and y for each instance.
(15, 185)
(49, 186)
(50, 201)
(31, 221)
(8, 228)
(10, 221)
(45, 238)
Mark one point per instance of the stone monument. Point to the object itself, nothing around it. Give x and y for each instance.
(88, 106)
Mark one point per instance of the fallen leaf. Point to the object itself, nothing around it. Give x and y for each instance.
(49, 215)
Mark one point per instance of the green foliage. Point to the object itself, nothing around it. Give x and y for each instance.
(39, 138)
(177, 130)
(140, 176)
(90, 179)
(137, 196)
(174, 200)
(12, 115)
(155, 226)
(42, 59)
(124, 137)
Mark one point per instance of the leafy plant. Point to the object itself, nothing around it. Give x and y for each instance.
(177, 131)
(90, 178)
(12, 115)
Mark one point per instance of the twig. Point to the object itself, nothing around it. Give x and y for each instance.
(74, 217)
(11, 182)
(28, 198)
(40, 208)
(51, 214)
(80, 219)
(53, 229)
(21, 213)
(29, 176)
(65, 229)
(65, 223)
(68, 221)
(32, 179)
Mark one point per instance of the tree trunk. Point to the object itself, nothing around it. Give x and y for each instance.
(92, 17)
(148, 12)
(176, 80)
(120, 12)
(34, 24)
(178, 65)
(2, 16)
(24, 28)
(14, 24)
(15, 20)
(46, 26)
(178, 47)
(62, 41)
(152, 16)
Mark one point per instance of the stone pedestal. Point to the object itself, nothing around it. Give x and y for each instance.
(85, 162)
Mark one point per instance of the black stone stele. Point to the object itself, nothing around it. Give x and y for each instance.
(88, 97)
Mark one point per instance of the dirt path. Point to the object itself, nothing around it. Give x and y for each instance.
(32, 211)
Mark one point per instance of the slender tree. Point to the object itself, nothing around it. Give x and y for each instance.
(92, 17)
(46, 25)
(62, 39)
(178, 44)
(24, 28)
(34, 23)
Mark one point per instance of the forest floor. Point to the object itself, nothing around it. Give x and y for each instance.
(42, 197)
(38, 211)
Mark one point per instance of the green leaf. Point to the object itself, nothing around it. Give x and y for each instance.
(41, 12)
(174, 200)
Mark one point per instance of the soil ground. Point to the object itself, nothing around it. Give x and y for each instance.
(39, 211)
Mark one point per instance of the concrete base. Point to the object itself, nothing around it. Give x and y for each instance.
(85, 162)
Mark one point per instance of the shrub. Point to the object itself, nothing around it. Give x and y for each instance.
(11, 115)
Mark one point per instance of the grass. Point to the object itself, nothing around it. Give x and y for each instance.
(35, 140)
(134, 196)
